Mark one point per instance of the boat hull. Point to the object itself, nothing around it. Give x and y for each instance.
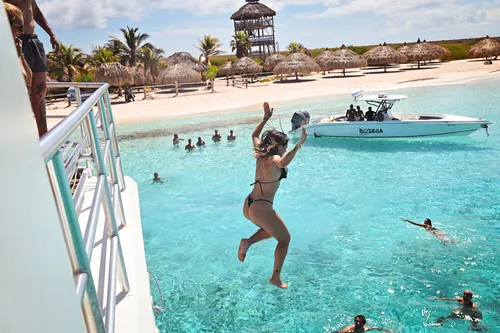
(455, 126)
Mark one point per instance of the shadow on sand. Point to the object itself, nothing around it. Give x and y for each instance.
(294, 81)
(341, 76)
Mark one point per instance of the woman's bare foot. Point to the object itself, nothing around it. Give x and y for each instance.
(278, 283)
(242, 251)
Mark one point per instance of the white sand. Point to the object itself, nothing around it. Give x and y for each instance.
(161, 106)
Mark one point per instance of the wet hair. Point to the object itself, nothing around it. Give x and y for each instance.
(270, 142)
(189, 140)
(156, 174)
(428, 221)
(175, 135)
(199, 138)
(361, 318)
(15, 15)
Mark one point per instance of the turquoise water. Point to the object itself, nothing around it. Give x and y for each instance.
(342, 201)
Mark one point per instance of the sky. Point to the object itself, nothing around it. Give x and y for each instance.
(176, 25)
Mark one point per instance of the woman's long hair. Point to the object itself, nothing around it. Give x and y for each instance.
(270, 142)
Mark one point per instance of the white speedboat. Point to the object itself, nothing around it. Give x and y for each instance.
(390, 125)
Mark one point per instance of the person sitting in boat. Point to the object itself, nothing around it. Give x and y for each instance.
(351, 114)
(370, 114)
(360, 116)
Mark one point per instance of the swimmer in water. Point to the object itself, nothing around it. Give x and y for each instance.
(176, 139)
(231, 136)
(430, 228)
(216, 137)
(157, 179)
(467, 311)
(200, 142)
(190, 146)
(359, 326)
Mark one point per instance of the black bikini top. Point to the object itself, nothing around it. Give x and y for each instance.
(284, 173)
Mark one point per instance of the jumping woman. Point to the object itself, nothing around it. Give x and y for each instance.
(271, 168)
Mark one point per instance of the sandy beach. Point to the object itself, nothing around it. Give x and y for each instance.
(161, 106)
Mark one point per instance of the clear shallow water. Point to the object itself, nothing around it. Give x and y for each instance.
(342, 201)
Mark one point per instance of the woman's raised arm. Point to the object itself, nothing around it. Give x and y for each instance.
(268, 112)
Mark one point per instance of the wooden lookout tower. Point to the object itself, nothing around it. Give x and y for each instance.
(257, 21)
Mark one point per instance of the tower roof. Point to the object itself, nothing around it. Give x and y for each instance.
(253, 10)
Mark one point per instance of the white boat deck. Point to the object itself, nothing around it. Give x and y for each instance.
(134, 311)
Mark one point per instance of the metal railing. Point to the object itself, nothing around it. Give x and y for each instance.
(82, 146)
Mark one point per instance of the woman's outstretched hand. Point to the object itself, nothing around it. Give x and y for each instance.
(268, 112)
(303, 137)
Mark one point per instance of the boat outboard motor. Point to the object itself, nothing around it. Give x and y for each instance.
(299, 119)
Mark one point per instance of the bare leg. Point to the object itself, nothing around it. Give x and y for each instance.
(266, 217)
(245, 243)
(38, 92)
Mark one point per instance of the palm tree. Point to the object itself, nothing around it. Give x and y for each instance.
(102, 55)
(295, 47)
(151, 59)
(209, 46)
(67, 64)
(129, 50)
(241, 44)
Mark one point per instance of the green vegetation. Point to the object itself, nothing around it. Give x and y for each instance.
(67, 64)
(241, 44)
(209, 46)
(129, 50)
(211, 72)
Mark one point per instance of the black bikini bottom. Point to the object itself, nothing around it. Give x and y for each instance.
(251, 201)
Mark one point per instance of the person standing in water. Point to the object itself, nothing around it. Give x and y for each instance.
(430, 228)
(189, 146)
(216, 137)
(231, 136)
(271, 168)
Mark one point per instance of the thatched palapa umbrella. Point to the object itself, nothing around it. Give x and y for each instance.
(225, 69)
(343, 58)
(404, 49)
(322, 57)
(115, 74)
(384, 55)
(185, 58)
(141, 77)
(297, 63)
(245, 65)
(444, 50)
(180, 73)
(423, 51)
(488, 47)
(273, 61)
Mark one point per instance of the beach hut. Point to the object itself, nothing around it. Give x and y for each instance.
(404, 49)
(423, 51)
(273, 61)
(384, 55)
(115, 74)
(322, 57)
(245, 65)
(141, 77)
(182, 73)
(444, 50)
(225, 69)
(296, 63)
(343, 58)
(488, 47)
(187, 59)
